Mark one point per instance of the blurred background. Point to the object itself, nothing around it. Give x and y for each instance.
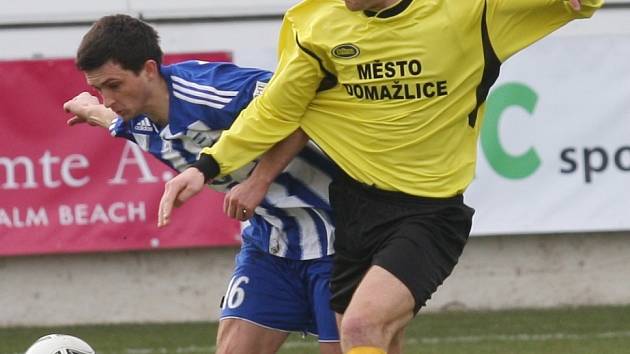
(78, 243)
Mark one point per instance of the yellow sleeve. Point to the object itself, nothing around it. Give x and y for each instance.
(515, 24)
(277, 112)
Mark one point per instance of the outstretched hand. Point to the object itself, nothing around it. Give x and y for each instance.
(87, 109)
(177, 191)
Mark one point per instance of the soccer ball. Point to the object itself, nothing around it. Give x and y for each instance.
(59, 344)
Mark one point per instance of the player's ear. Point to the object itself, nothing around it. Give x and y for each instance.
(151, 68)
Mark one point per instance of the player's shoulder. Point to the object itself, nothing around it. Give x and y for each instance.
(322, 22)
(192, 69)
(309, 12)
(203, 72)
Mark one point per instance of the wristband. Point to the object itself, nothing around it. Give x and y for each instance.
(208, 166)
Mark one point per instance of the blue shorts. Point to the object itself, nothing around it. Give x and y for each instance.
(281, 294)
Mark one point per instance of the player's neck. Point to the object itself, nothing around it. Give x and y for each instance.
(158, 104)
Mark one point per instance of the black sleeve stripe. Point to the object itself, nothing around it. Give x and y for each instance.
(208, 166)
(330, 80)
(491, 68)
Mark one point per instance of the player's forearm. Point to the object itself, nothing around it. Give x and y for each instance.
(274, 161)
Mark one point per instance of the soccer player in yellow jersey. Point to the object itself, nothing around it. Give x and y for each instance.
(394, 92)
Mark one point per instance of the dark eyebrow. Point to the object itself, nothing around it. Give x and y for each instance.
(109, 81)
(105, 83)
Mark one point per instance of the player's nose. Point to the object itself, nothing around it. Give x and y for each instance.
(108, 101)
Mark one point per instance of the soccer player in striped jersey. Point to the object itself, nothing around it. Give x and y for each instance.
(393, 91)
(281, 280)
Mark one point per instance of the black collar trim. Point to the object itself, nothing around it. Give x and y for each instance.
(391, 12)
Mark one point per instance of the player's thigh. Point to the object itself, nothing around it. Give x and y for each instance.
(422, 251)
(381, 303)
(236, 336)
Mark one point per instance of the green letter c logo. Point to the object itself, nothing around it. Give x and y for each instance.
(508, 166)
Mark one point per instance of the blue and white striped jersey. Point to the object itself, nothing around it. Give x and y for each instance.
(294, 220)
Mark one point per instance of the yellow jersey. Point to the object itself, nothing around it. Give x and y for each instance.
(395, 98)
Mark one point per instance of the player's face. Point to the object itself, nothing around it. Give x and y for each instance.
(124, 91)
(375, 5)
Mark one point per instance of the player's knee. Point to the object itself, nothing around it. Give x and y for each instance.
(365, 328)
(361, 329)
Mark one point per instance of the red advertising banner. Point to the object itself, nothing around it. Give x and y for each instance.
(76, 189)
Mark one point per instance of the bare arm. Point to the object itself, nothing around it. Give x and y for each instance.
(246, 195)
(240, 201)
(177, 191)
(87, 109)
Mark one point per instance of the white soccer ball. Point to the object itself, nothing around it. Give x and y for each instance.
(59, 344)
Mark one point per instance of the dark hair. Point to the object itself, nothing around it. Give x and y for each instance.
(125, 40)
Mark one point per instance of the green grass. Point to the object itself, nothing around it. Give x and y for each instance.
(592, 330)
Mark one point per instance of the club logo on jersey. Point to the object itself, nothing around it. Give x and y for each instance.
(346, 51)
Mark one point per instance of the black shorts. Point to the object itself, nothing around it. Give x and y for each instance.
(417, 239)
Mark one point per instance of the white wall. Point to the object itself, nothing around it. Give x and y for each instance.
(539, 272)
(45, 11)
(252, 42)
(175, 286)
(164, 286)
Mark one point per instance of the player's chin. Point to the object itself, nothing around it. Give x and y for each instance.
(353, 5)
(125, 115)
